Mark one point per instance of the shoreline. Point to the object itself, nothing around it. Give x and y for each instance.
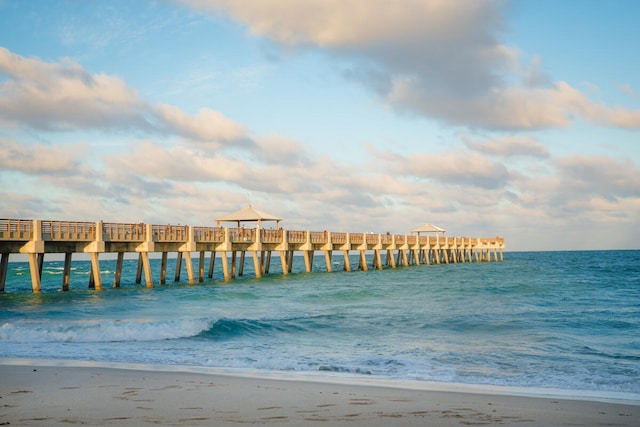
(57, 393)
(341, 378)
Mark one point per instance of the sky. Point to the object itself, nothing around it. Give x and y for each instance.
(518, 119)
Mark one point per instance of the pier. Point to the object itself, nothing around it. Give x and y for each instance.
(35, 238)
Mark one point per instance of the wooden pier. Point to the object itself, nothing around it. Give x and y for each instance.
(35, 238)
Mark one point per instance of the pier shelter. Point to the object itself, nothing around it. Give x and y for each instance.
(35, 238)
(248, 214)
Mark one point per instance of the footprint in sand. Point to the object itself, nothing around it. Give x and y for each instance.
(361, 402)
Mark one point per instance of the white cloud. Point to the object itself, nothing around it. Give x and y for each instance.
(40, 159)
(440, 59)
(339, 23)
(509, 146)
(466, 168)
(588, 176)
(629, 90)
(65, 97)
(207, 125)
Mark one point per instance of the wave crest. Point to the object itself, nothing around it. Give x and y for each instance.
(103, 331)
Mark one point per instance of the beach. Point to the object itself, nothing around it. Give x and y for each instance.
(34, 394)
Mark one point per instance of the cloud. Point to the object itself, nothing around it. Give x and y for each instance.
(509, 146)
(274, 149)
(40, 159)
(598, 176)
(629, 90)
(339, 23)
(64, 96)
(176, 163)
(439, 59)
(465, 168)
(207, 125)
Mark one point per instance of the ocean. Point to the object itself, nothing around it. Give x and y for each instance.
(540, 321)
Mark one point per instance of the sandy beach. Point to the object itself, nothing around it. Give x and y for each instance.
(31, 395)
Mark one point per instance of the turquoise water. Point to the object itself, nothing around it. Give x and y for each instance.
(567, 320)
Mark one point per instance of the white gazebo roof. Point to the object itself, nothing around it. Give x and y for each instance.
(428, 228)
(248, 214)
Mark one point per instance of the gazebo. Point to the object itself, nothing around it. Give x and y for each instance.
(249, 214)
(428, 228)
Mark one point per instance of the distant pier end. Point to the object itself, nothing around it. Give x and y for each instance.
(35, 238)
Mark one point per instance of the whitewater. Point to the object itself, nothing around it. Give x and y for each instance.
(539, 320)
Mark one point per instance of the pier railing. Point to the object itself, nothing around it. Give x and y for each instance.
(209, 234)
(68, 230)
(170, 233)
(272, 236)
(338, 238)
(16, 229)
(319, 237)
(112, 232)
(83, 231)
(296, 236)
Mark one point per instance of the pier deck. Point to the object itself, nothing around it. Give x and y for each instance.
(35, 238)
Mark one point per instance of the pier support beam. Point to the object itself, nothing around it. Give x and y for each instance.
(233, 264)
(40, 264)
(378, 259)
(4, 267)
(95, 269)
(290, 261)
(178, 267)
(308, 260)
(405, 261)
(163, 268)
(327, 260)
(35, 274)
(256, 264)
(268, 263)
(212, 263)
(347, 263)
(187, 256)
(139, 269)
(241, 267)
(363, 261)
(146, 265)
(225, 266)
(201, 268)
(118, 273)
(283, 262)
(66, 275)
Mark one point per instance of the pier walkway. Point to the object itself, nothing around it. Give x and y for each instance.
(35, 238)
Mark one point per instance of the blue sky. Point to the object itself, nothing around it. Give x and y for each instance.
(519, 119)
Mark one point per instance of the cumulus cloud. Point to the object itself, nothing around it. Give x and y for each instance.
(64, 96)
(338, 23)
(177, 163)
(602, 176)
(455, 168)
(439, 59)
(509, 146)
(629, 90)
(207, 125)
(275, 149)
(40, 159)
